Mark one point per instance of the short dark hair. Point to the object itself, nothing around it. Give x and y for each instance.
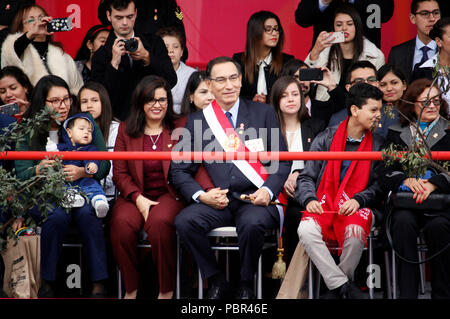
(292, 66)
(72, 121)
(362, 64)
(438, 28)
(119, 4)
(360, 93)
(415, 5)
(221, 60)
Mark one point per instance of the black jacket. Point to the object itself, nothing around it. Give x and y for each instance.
(152, 15)
(402, 56)
(248, 91)
(309, 179)
(121, 83)
(438, 140)
(308, 14)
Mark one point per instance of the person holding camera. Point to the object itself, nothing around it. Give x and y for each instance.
(127, 57)
(30, 47)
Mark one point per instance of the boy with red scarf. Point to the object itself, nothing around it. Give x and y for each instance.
(337, 194)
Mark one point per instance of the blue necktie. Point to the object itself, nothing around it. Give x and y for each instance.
(424, 50)
(228, 114)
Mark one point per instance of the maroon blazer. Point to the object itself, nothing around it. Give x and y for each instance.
(128, 175)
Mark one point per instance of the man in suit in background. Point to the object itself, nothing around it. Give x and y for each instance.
(223, 207)
(409, 55)
(120, 69)
(319, 14)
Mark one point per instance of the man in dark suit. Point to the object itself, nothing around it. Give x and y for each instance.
(319, 14)
(153, 15)
(119, 69)
(424, 14)
(224, 208)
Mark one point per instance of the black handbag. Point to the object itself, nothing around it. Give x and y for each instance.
(434, 202)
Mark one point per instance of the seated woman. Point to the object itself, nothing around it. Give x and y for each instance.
(53, 92)
(198, 95)
(407, 223)
(339, 56)
(263, 58)
(93, 40)
(176, 45)
(299, 130)
(94, 98)
(340, 196)
(15, 87)
(147, 200)
(31, 48)
(392, 82)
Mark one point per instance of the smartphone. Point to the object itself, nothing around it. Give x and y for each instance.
(339, 37)
(9, 109)
(59, 25)
(312, 74)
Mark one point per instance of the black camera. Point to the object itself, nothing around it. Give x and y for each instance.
(131, 45)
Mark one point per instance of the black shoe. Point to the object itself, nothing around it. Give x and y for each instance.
(332, 294)
(245, 293)
(45, 291)
(350, 290)
(219, 292)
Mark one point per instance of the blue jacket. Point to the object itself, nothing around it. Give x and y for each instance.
(67, 145)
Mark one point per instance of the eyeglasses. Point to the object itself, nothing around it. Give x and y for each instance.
(370, 79)
(32, 20)
(58, 102)
(222, 80)
(162, 101)
(426, 14)
(269, 29)
(436, 101)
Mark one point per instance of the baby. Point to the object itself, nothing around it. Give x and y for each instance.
(77, 136)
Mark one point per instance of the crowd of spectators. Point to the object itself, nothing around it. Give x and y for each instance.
(129, 89)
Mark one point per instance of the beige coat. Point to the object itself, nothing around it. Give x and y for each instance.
(58, 62)
(370, 53)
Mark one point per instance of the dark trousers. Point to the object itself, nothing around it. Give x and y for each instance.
(127, 222)
(195, 221)
(292, 219)
(406, 226)
(53, 234)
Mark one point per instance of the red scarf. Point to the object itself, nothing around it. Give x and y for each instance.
(332, 194)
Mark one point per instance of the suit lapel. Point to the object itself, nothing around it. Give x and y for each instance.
(306, 135)
(137, 145)
(242, 118)
(167, 147)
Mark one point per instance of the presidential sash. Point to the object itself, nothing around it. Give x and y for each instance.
(230, 141)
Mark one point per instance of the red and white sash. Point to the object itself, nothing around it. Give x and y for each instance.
(230, 141)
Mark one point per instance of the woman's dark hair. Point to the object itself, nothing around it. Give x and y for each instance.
(188, 107)
(438, 28)
(414, 90)
(255, 31)
(105, 118)
(83, 53)
(336, 58)
(38, 102)
(20, 76)
(276, 94)
(292, 66)
(144, 93)
(391, 68)
(17, 24)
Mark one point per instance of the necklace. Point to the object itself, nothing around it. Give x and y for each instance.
(154, 142)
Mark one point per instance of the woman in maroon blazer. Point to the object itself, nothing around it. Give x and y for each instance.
(146, 197)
